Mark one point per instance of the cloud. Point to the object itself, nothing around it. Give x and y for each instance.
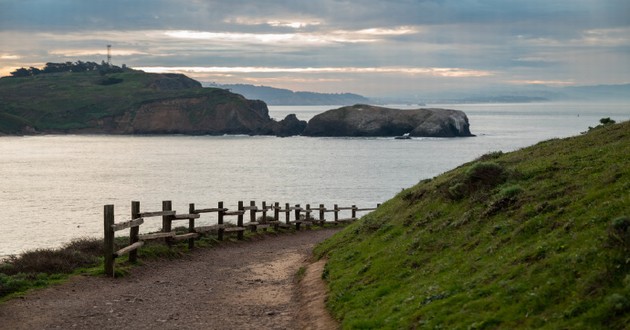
(437, 72)
(361, 45)
(295, 38)
(10, 57)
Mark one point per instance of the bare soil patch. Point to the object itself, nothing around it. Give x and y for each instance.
(245, 285)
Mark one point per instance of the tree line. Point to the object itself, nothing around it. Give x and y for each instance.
(78, 66)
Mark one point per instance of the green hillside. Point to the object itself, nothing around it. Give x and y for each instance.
(537, 238)
(66, 101)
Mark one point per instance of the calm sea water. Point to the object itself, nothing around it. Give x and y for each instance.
(53, 188)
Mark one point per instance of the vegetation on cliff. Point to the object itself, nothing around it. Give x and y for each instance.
(73, 98)
(537, 238)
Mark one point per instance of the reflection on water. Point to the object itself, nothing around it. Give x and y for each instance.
(54, 187)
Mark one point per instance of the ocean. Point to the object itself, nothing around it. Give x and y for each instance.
(53, 187)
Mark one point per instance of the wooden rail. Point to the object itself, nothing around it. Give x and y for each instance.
(301, 215)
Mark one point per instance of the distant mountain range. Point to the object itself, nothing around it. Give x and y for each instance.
(496, 94)
(279, 96)
(535, 93)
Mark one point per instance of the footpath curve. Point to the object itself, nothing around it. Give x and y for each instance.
(244, 285)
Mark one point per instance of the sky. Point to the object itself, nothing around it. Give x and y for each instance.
(370, 47)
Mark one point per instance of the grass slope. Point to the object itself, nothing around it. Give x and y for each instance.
(537, 238)
(72, 100)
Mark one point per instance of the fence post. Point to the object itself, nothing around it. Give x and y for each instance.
(321, 214)
(252, 215)
(239, 220)
(297, 217)
(354, 212)
(108, 240)
(166, 221)
(276, 214)
(287, 214)
(307, 216)
(134, 231)
(336, 214)
(220, 221)
(263, 218)
(191, 226)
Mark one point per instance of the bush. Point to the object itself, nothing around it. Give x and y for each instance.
(486, 174)
(10, 284)
(79, 253)
(88, 246)
(479, 176)
(619, 247)
(510, 191)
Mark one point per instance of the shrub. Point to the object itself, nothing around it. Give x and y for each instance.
(10, 284)
(457, 191)
(76, 254)
(619, 247)
(485, 174)
(479, 176)
(88, 246)
(510, 191)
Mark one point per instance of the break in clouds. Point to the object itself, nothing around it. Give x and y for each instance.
(368, 47)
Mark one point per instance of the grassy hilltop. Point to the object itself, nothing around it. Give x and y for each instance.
(537, 238)
(104, 102)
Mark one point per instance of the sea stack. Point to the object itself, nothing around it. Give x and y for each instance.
(368, 120)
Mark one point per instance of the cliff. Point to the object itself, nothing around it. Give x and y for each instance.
(129, 102)
(366, 120)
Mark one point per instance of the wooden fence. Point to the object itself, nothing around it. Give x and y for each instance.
(301, 215)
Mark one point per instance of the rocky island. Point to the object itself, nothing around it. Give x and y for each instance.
(367, 120)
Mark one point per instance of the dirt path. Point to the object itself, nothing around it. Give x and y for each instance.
(247, 285)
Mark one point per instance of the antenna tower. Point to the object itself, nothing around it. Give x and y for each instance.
(109, 54)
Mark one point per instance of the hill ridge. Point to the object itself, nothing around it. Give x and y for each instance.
(536, 238)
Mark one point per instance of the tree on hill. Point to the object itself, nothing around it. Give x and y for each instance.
(78, 66)
(21, 72)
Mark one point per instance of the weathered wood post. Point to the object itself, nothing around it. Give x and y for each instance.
(276, 215)
(297, 216)
(191, 226)
(220, 221)
(239, 221)
(134, 231)
(336, 212)
(263, 218)
(252, 215)
(108, 239)
(307, 216)
(287, 214)
(166, 221)
(322, 209)
(354, 212)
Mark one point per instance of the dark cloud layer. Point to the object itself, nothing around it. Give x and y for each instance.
(471, 41)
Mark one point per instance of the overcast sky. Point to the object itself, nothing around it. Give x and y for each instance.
(371, 47)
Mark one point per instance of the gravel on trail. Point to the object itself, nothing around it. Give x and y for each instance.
(240, 285)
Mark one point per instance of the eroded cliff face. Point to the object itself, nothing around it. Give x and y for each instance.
(196, 116)
(366, 120)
